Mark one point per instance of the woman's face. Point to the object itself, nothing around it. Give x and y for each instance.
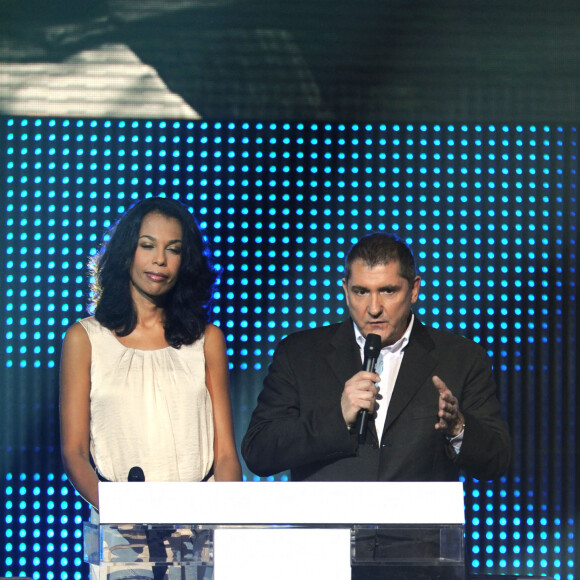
(156, 262)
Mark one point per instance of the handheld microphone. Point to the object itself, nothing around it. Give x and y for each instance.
(371, 355)
(136, 474)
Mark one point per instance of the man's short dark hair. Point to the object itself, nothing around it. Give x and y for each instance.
(379, 249)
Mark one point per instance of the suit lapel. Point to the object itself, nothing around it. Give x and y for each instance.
(344, 353)
(416, 368)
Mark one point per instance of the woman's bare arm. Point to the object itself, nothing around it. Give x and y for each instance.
(226, 463)
(75, 386)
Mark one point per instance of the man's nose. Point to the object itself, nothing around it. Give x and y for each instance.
(375, 305)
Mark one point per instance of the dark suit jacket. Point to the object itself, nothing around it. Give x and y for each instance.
(298, 423)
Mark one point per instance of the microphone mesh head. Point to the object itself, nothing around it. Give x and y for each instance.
(136, 474)
(372, 346)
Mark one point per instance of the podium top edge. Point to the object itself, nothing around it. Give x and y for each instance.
(272, 503)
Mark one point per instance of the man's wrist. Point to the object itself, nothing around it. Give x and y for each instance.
(459, 428)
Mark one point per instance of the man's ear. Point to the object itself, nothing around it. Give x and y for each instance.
(415, 289)
(345, 289)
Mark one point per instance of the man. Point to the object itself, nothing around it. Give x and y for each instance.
(432, 403)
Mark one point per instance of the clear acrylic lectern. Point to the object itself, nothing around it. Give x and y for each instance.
(278, 530)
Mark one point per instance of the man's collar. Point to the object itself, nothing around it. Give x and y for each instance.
(392, 348)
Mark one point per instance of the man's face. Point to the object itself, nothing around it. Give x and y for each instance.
(379, 299)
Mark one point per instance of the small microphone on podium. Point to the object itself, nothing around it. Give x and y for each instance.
(136, 474)
(371, 355)
(155, 536)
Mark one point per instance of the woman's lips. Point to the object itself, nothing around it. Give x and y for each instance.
(155, 277)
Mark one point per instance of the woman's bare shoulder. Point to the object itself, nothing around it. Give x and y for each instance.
(214, 340)
(213, 333)
(76, 335)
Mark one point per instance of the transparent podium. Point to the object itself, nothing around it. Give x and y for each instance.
(278, 531)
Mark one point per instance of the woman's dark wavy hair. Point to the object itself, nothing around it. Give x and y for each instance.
(186, 304)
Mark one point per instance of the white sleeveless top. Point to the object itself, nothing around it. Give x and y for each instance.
(149, 408)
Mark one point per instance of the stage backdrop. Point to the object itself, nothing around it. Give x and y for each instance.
(490, 210)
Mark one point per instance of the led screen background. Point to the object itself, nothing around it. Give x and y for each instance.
(490, 210)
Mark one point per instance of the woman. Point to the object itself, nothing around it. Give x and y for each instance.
(144, 382)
